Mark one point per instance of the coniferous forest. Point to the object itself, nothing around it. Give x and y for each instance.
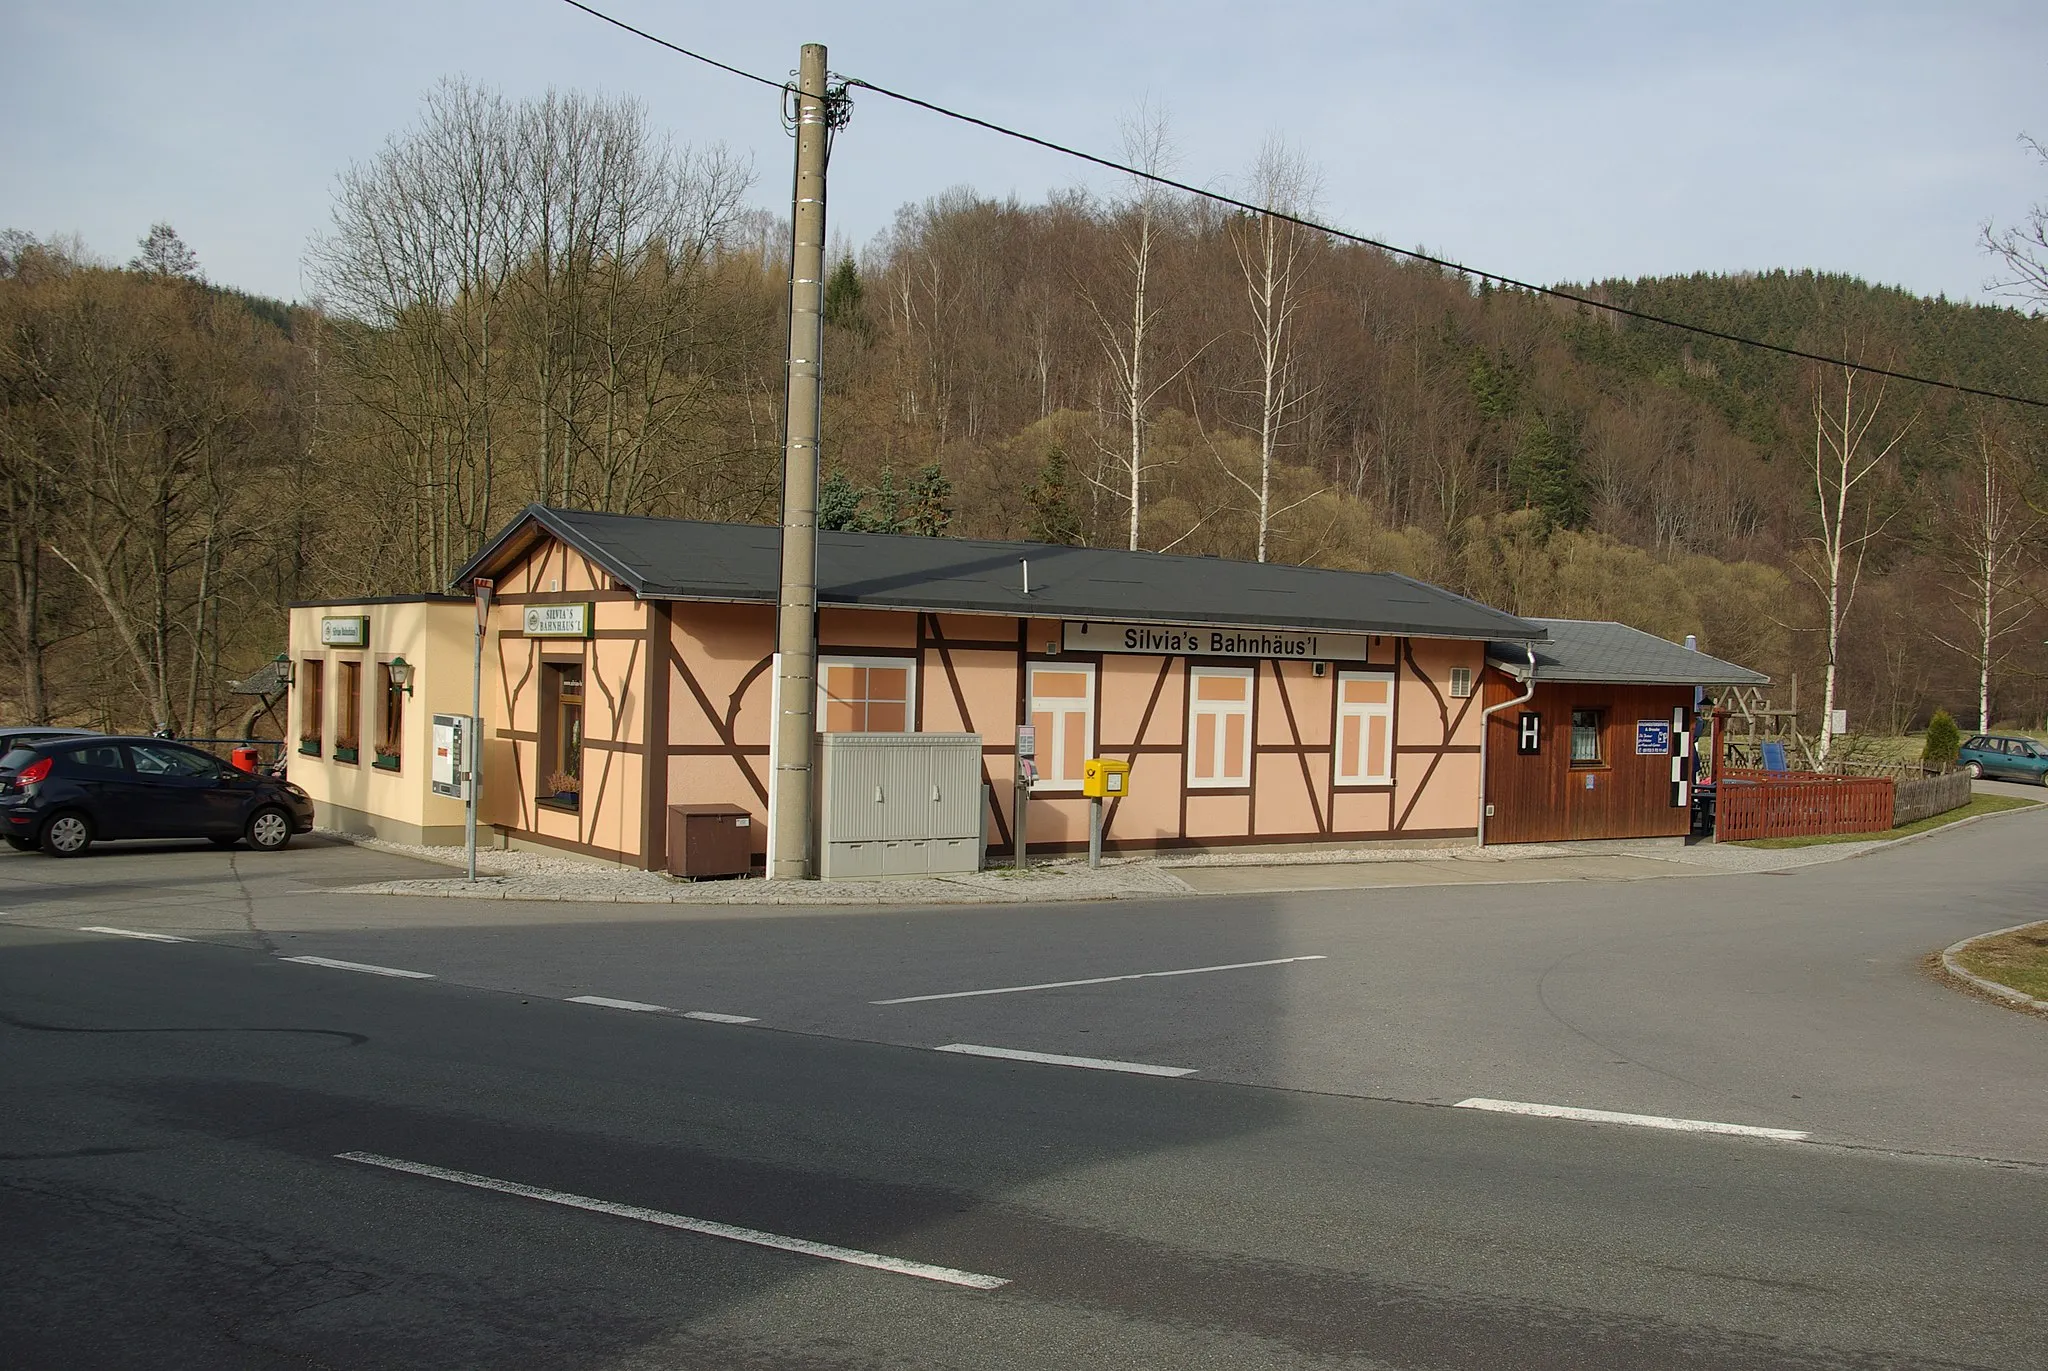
(550, 301)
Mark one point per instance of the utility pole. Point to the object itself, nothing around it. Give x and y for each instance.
(796, 628)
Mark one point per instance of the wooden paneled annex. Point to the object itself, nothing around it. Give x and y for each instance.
(1545, 798)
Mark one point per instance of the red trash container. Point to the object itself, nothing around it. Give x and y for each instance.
(243, 759)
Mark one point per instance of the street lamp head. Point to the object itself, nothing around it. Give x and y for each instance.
(401, 674)
(283, 662)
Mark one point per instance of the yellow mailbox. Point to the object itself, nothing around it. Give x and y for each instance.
(1103, 778)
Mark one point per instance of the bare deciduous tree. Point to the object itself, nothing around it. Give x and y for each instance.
(1273, 253)
(1127, 342)
(2023, 248)
(1989, 533)
(1848, 464)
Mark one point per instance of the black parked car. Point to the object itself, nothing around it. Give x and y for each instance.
(67, 794)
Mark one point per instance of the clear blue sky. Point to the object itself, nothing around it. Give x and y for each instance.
(1562, 141)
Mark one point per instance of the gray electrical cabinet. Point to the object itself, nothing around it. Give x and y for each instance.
(898, 804)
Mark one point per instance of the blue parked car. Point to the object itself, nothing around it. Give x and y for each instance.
(2007, 759)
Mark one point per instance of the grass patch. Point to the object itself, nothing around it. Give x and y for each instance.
(1979, 804)
(2018, 959)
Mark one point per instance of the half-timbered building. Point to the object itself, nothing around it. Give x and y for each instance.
(628, 667)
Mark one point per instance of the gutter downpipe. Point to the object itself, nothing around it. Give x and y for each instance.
(1486, 717)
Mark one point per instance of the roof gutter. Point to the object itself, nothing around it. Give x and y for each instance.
(1486, 717)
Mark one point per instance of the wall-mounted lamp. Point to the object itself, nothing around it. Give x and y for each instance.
(283, 662)
(401, 674)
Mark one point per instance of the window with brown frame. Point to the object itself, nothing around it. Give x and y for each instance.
(390, 745)
(561, 732)
(1588, 745)
(312, 705)
(348, 719)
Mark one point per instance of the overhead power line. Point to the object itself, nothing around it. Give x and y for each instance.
(1412, 254)
(672, 47)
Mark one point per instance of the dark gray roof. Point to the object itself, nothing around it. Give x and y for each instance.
(680, 559)
(1597, 651)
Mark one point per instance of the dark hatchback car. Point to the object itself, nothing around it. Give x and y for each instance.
(67, 794)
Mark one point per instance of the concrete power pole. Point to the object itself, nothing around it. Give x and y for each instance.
(796, 629)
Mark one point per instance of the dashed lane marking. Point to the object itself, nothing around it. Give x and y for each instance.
(851, 1256)
(1101, 980)
(604, 1003)
(364, 967)
(1055, 1059)
(133, 933)
(708, 1017)
(1562, 1111)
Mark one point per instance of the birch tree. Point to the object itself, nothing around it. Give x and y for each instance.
(1272, 255)
(1127, 340)
(1849, 463)
(1987, 549)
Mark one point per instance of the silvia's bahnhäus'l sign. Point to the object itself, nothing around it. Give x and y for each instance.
(558, 621)
(1195, 640)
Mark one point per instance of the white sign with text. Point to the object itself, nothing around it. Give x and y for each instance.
(1194, 640)
(558, 621)
(352, 631)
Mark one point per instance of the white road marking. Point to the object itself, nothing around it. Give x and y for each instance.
(603, 1003)
(1099, 980)
(708, 1017)
(361, 966)
(1561, 1111)
(852, 1256)
(131, 933)
(1055, 1059)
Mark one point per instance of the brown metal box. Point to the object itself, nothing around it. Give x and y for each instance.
(709, 840)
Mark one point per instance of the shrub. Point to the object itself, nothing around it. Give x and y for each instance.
(1944, 741)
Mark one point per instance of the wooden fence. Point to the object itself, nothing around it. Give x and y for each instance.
(1926, 796)
(1799, 804)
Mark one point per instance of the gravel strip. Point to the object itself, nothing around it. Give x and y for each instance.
(538, 876)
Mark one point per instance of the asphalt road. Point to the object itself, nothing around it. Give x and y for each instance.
(172, 1195)
(171, 1190)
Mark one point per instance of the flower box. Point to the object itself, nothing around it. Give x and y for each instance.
(344, 754)
(309, 747)
(384, 763)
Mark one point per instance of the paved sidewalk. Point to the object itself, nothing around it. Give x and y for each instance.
(533, 876)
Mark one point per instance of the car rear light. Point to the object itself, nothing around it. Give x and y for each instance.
(35, 771)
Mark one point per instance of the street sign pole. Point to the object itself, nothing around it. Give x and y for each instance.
(472, 752)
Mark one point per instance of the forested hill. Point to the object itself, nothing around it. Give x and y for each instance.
(1144, 369)
(1989, 347)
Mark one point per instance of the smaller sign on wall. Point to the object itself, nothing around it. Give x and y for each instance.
(558, 621)
(351, 631)
(1653, 737)
(1529, 733)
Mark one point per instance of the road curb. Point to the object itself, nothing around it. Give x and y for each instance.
(1990, 987)
(1952, 827)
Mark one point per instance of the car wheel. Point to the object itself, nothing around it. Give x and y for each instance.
(20, 844)
(68, 834)
(1973, 770)
(269, 829)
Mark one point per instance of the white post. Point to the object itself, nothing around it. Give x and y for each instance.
(473, 752)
